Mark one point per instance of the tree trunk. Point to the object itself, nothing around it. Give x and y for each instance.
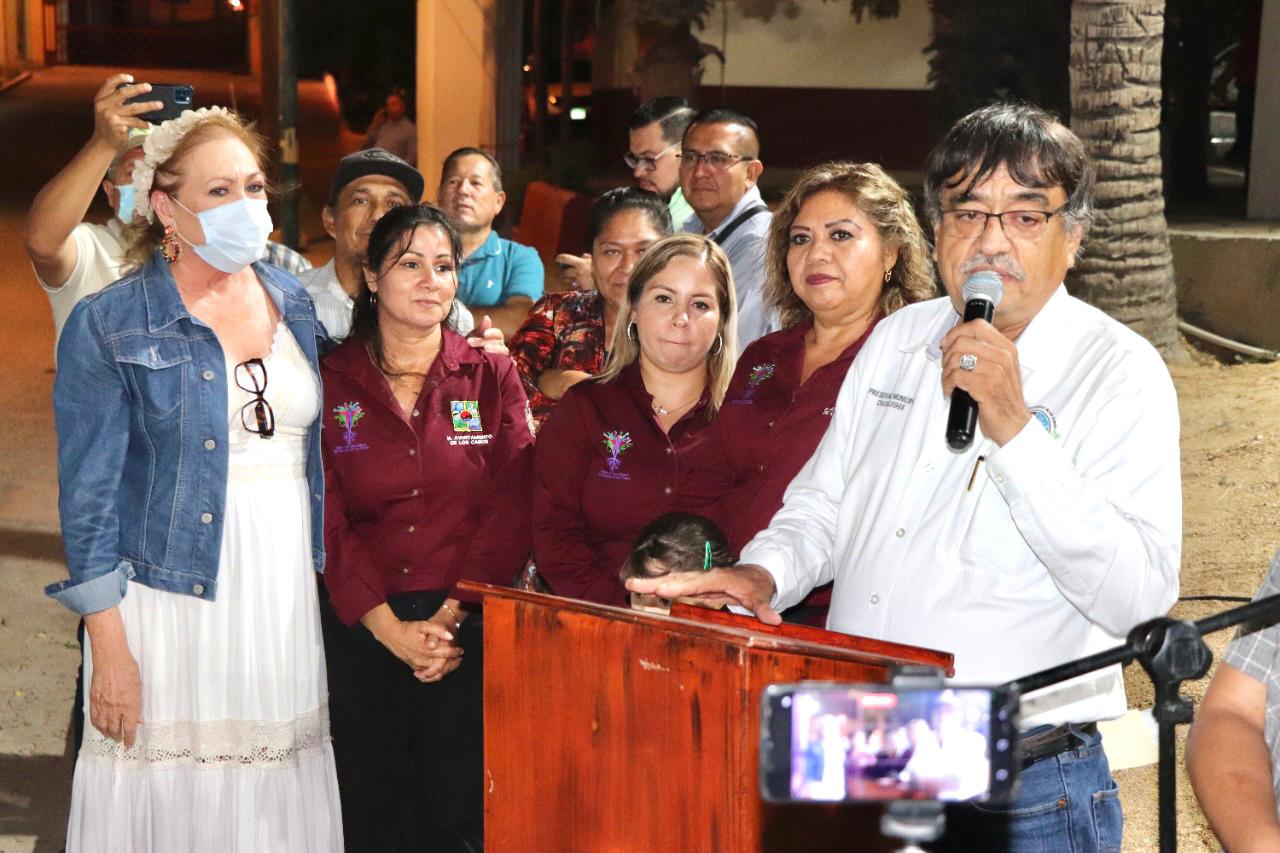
(1127, 268)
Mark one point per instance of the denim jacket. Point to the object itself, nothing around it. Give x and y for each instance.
(140, 404)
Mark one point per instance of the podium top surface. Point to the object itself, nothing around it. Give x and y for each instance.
(743, 631)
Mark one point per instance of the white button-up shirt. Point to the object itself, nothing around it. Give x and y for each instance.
(1015, 558)
(333, 305)
(745, 249)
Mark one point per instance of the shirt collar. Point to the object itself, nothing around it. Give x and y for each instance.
(1037, 342)
(1046, 334)
(488, 249)
(327, 282)
(749, 198)
(350, 357)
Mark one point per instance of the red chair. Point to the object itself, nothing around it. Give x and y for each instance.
(553, 220)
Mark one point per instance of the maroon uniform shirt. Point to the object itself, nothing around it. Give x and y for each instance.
(604, 469)
(768, 428)
(418, 501)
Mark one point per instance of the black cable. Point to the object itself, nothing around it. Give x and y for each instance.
(1215, 598)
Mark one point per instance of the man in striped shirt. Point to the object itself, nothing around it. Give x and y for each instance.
(366, 185)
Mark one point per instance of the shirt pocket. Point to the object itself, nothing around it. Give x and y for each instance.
(157, 373)
(992, 544)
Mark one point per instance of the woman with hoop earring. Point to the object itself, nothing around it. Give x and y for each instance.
(616, 451)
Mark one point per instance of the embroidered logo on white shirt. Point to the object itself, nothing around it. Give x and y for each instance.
(1046, 420)
(891, 399)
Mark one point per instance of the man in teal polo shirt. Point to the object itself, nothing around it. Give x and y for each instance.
(497, 278)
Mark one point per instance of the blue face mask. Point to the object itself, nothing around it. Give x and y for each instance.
(235, 234)
(124, 203)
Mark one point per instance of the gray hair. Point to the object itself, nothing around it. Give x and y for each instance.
(1037, 149)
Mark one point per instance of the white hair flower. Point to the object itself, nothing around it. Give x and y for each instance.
(157, 150)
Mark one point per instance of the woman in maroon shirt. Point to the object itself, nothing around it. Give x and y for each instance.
(567, 336)
(427, 439)
(616, 452)
(845, 249)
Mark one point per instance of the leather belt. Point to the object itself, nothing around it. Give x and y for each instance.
(1059, 739)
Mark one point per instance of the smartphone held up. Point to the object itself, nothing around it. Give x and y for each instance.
(176, 98)
(823, 742)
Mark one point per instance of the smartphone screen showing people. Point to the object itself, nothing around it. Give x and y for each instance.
(873, 743)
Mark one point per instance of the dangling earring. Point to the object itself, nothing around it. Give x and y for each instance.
(632, 333)
(719, 345)
(888, 274)
(373, 298)
(170, 248)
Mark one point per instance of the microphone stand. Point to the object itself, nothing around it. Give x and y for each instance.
(1171, 651)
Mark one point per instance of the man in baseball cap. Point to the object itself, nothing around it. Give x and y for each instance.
(366, 185)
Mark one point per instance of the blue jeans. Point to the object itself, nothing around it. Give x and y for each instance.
(1065, 803)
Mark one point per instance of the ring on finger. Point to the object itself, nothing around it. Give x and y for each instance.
(968, 361)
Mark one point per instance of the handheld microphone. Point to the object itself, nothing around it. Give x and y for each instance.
(982, 292)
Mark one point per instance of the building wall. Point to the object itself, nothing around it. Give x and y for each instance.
(823, 47)
(165, 12)
(822, 85)
(1264, 168)
(22, 32)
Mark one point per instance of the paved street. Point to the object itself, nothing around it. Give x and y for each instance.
(45, 120)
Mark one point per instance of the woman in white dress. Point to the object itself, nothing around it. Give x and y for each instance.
(186, 404)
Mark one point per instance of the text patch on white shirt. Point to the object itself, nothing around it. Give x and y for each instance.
(890, 399)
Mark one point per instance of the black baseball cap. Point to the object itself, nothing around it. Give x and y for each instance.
(375, 161)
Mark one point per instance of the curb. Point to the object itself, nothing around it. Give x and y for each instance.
(9, 84)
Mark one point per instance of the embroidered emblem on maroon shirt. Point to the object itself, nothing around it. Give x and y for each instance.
(616, 443)
(347, 416)
(758, 376)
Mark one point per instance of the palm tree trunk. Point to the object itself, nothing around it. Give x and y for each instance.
(1127, 268)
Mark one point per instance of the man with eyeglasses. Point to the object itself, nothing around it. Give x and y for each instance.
(719, 167)
(653, 156)
(653, 153)
(1051, 537)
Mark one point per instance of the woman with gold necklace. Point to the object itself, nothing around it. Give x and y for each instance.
(615, 453)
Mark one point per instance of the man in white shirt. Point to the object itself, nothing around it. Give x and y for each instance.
(393, 131)
(1057, 532)
(73, 258)
(365, 186)
(719, 167)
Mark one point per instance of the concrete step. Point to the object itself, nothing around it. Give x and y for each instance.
(1228, 278)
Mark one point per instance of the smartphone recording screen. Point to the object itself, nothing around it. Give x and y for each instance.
(869, 744)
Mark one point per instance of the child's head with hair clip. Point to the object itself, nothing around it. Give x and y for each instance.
(677, 542)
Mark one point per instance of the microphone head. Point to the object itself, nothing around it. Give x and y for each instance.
(984, 284)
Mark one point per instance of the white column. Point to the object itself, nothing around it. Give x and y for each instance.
(1264, 165)
(456, 81)
(9, 32)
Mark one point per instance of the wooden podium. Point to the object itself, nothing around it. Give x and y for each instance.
(613, 730)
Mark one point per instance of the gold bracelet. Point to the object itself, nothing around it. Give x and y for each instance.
(457, 621)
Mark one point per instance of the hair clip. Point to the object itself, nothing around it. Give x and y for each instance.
(706, 559)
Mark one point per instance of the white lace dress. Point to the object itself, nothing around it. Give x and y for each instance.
(233, 753)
